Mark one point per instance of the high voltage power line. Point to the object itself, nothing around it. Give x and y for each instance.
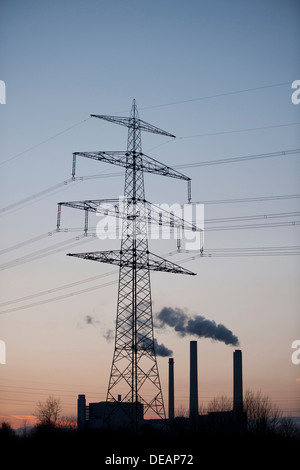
(36, 390)
(29, 199)
(164, 231)
(225, 252)
(210, 253)
(60, 297)
(222, 161)
(234, 131)
(111, 234)
(266, 251)
(56, 289)
(45, 252)
(217, 95)
(214, 252)
(250, 199)
(205, 202)
(35, 196)
(82, 238)
(44, 141)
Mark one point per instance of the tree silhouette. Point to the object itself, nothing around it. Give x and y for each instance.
(49, 411)
(262, 414)
(220, 404)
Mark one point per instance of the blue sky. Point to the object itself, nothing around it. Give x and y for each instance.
(184, 63)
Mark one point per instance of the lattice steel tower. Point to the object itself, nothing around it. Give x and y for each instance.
(134, 373)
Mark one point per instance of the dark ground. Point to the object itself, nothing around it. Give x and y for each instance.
(43, 448)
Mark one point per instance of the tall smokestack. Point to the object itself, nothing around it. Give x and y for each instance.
(193, 380)
(81, 413)
(171, 388)
(237, 381)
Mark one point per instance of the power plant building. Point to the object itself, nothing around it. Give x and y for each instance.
(225, 420)
(118, 414)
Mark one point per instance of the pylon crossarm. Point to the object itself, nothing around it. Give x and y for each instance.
(116, 157)
(150, 165)
(145, 126)
(131, 209)
(123, 121)
(160, 216)
(92, 205)
(129, 160)
(161, 264)
(155, 262)
(110, 257)
(133, 123)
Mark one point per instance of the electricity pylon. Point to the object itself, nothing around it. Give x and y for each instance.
(134, 373)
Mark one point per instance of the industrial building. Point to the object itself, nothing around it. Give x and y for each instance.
(119, 414)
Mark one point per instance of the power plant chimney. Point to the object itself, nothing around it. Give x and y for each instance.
(237, 382)
(171, 388)
(193, 380)
(81, 412)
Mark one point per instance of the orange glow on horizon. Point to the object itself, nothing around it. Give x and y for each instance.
(19, 421)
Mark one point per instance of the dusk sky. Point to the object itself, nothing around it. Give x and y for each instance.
(219, 76)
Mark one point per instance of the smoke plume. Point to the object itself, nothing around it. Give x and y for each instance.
(197, 326)
(109, 335)
(162, 350)
(89, 320)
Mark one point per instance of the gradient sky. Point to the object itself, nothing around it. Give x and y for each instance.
(203, 71)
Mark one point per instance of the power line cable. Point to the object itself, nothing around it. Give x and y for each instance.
(45, 252)
(205, 202)
(253, 217)
(44, 141)
(220, 161)
(56, 289)
(28, 242)
(283, 395)
(21, 389)
(249, 199)
(217, 95)
(236, 253)
(249, 129)
(253, 226)
(32, 197)
(60, 297)
(166, 230)
(44, 193)
(218, 252)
